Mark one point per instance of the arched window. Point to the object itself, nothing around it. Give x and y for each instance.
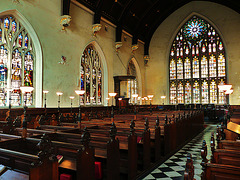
(17, 56)
(132, 84)
(91, 77)
(197, 64)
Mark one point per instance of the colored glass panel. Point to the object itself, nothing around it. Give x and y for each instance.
(195, 66)
(200, 47)
(173, 93)
(188, 93)
(179, 69)
(213, 92)
(132, 84)
(15, 62)
(204, 67)
(3, 73)
(91, 77)
(180, 97)
(222, 95)
(205, 92)
(196, 92)
(221, 65)
(187, 68)
(212, 66)
(172, 70)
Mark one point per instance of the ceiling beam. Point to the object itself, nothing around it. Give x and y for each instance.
(97, 12)
(65, 7)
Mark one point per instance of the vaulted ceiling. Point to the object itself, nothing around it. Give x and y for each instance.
(140, 17)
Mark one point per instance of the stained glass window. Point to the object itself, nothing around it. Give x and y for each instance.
(204, 92)
(91, 77)
(195, 67)
(179, 69)
(204, 67)
(16, 62)
(222, 96)
(221, 65)
(197, 61)
(213, 92)
(173, 93)
(187, 67)
(172, 70)
(132, 84)
(188, 93)
(180, 93)
(196, 92)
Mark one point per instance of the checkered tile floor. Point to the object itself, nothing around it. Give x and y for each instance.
(174, 167)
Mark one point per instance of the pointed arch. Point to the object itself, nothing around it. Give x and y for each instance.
(37, 79)
(197, 54)
(138, 74)
(104, 68)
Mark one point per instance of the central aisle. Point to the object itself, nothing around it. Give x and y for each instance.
(174, 167)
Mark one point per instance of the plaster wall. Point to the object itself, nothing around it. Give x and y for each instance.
(45, 20)
(225, 20)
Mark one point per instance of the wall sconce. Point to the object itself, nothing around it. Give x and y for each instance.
(96, 28)
(65, 21)
(134, 47)
(146, 59)
(63, 60)
(118, 45)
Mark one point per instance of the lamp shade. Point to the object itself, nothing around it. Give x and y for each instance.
(25, 89)
(135, 95)
(119, 99)
(229, 91)
(79, 92)
(224, 87)
(107, 98)
(150, 96)
(59, 93)
(112, 94)
(163, 97)
(71, 97)
(45, 91)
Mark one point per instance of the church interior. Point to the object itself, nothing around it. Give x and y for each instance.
(119, 89)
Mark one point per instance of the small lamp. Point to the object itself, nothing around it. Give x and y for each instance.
(71, 99)
(163, 98)
(45, 98)
(112, 95)
(150, 98)
(80, 93)
(25, 89)
(59, 94)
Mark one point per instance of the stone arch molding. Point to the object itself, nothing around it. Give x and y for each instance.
(38, 50)
(139, 77)
(105, 69)
(184, 21)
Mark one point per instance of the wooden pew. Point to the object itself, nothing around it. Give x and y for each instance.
(28, 160)
(217, 171)
(189, 170)
(106, 149)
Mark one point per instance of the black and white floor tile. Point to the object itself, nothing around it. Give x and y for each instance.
(174, 167)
